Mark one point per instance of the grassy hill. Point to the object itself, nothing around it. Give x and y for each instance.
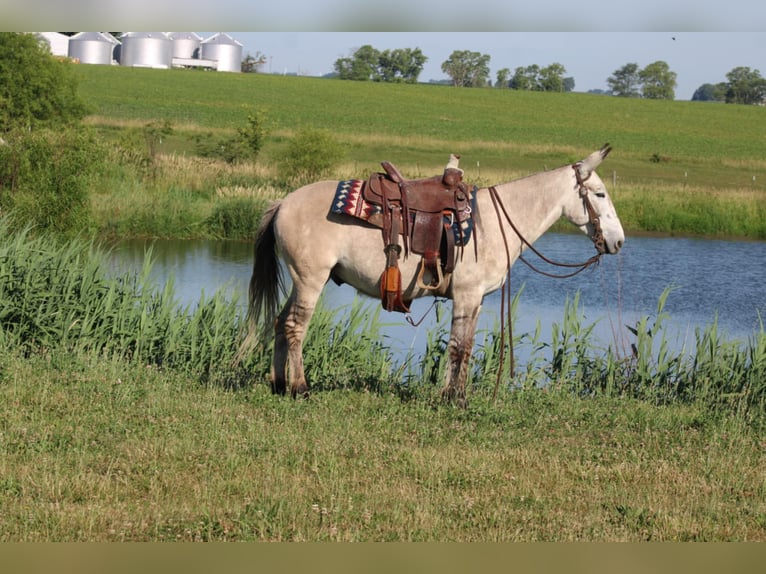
(715, 145)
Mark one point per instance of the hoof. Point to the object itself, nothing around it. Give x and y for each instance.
(300, 391)
(453, 397)
(277, 389)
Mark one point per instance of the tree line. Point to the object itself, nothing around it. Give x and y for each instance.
(468, 69)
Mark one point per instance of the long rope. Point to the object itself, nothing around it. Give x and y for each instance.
(506, 289)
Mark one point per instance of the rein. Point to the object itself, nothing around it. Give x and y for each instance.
(598, 241)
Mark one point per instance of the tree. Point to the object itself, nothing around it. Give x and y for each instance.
(401, 65)
(526, 78)
(503, 78)
(658, 82)
(624, 82)
(710, 93)
(362, 66)
(745, 86)
(551, 78)
(569, 84)
(251, 63)
(35, 88)
(467, 69)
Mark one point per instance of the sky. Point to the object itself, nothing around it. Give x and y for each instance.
(589, 57)
(590, 38)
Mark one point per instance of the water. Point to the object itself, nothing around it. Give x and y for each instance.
(711, 280)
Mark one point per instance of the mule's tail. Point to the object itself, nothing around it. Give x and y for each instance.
(266, 286)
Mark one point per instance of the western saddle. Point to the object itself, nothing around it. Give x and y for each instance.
(423, 213)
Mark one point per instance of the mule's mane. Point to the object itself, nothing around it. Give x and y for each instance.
(537, 174)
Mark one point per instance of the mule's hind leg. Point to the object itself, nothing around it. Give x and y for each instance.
(290, 329)
(459, 351)
(279, 360)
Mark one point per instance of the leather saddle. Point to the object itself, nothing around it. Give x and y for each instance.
(422, 213)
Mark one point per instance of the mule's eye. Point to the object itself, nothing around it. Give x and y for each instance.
(600, 194)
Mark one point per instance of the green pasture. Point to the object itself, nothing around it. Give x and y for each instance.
(714, 144)
(684, 168)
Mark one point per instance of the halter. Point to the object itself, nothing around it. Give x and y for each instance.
(593, 218)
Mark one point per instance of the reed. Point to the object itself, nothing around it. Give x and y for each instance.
(65, 297)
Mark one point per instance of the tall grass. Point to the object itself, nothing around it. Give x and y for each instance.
(65, 297)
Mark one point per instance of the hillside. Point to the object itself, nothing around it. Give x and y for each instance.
(708, 144)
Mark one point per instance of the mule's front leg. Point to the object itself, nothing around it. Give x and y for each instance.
(459, 351)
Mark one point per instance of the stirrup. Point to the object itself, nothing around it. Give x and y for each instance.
(439, 275)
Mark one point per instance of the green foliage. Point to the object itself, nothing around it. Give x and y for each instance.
(311, 154)
(467, 69)
(362, 66)
(745, 86)
(64, 297)
(235, 218)
(625, 81)
(548, 79)
(367, 63)
(139, 147)
(244, 146)
(658, 82)
(35, 88)
(45, 178)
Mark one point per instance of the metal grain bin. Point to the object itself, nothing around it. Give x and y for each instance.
(225, 50)
(185, 44)
(146, 50)
(92, 48)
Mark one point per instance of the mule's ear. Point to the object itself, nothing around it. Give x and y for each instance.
(591, 162)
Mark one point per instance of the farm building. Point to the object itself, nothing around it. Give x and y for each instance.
(92, 48)
(57, 42)
(225, 50)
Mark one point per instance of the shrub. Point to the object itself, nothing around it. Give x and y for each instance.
(35, 88)
(311, 154)
(244, 146)
(236, 218)
(45, 177)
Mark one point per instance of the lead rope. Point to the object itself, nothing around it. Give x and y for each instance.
(507, 283)
(597, 240)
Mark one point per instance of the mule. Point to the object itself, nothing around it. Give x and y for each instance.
(317, 245)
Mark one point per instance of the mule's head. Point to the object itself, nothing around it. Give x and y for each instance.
(590, 207)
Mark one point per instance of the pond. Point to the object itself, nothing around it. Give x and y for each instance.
(710, 280)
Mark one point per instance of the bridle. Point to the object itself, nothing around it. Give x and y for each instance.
(593, 218)
(598, 241)
(597, 236)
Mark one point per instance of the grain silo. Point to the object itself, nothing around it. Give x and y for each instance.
(57, 42)
(185, 44)
(223, 49)
(91, 48)
(146, 50)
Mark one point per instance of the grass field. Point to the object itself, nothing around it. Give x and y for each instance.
(95, 451)
(667, 155)
(122, 420)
